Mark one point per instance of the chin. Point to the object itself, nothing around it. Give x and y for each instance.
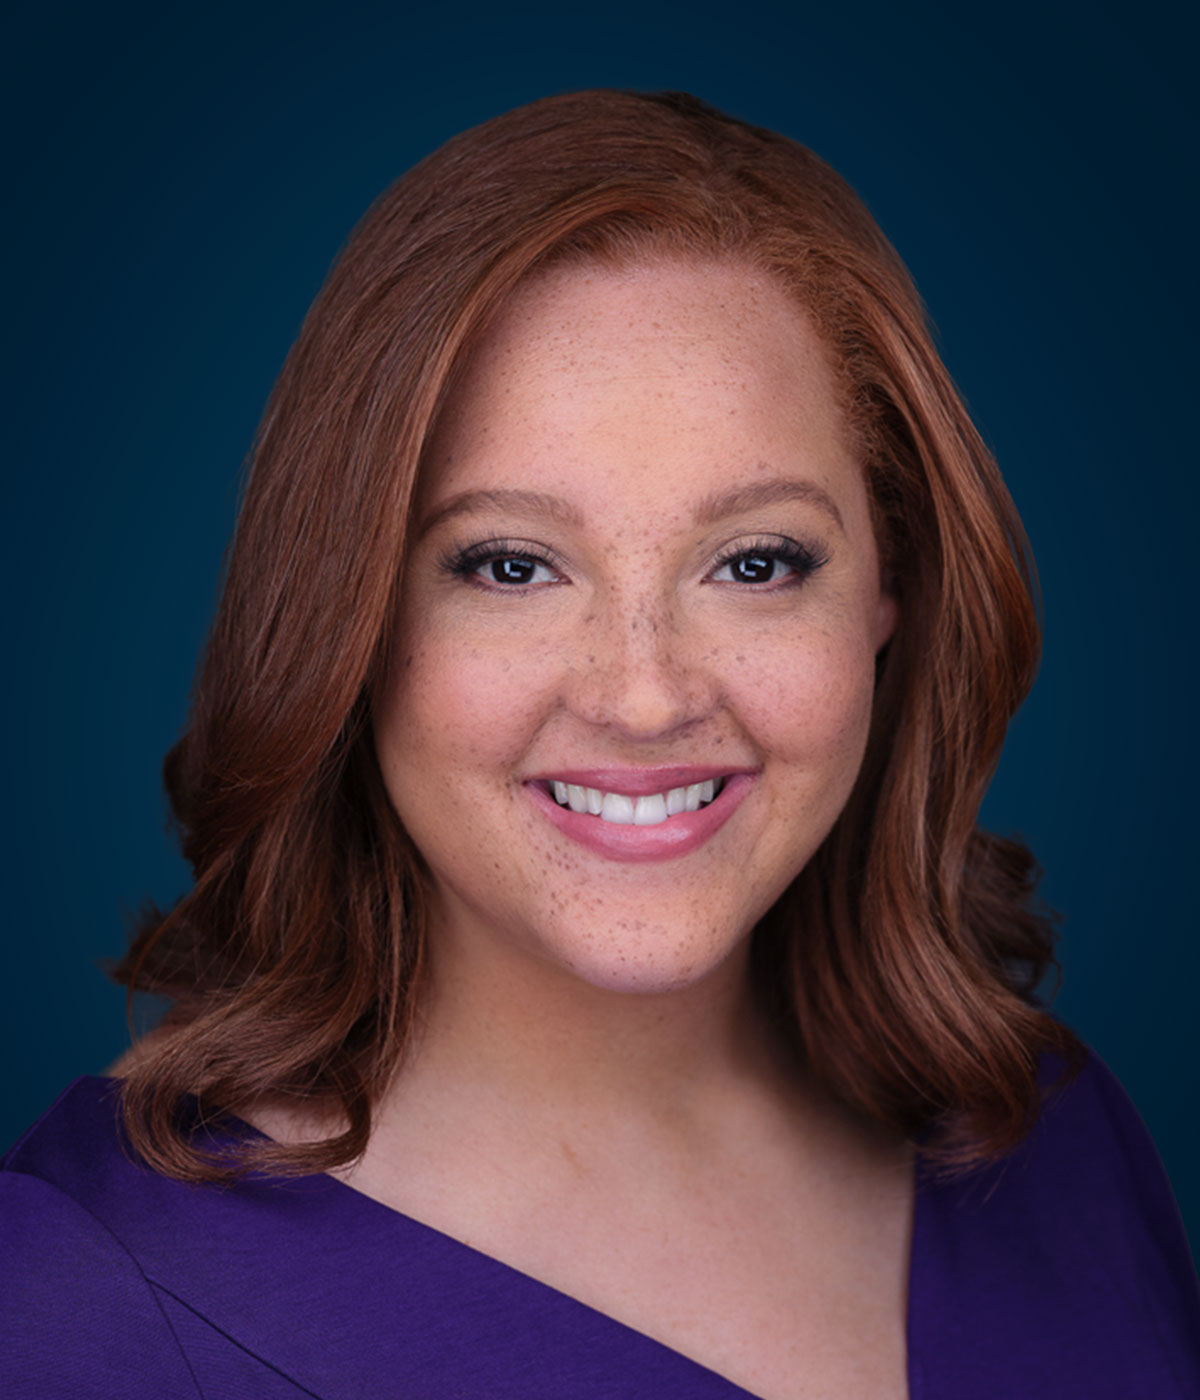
(639, 958)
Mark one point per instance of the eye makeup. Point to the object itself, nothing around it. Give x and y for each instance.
(754, 562)
(513, 564)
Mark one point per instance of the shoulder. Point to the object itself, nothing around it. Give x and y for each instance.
(101, 1292)
(77, 1151)
(72, 1296)
(1074, 1245)
(1090, 1158)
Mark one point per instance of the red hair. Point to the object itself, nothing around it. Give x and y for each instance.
(904, 959)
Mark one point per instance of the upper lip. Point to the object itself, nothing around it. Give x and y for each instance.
(641, 782)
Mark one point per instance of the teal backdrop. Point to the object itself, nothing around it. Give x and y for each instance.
(179, 179)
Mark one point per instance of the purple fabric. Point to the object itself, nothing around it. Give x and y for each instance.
(1062, 1273)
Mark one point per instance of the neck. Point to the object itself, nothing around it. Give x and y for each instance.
(522, 1044)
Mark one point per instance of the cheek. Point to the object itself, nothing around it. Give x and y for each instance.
(453, 705)
(808, 704)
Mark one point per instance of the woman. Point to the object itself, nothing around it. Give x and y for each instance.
(595, 982)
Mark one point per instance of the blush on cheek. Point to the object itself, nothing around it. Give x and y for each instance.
(813, 706)
(476, 708)
(848, 708)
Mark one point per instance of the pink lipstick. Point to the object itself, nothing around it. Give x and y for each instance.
(658, 831)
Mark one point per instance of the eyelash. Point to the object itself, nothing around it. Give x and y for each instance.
(465, 561)
(802, 559)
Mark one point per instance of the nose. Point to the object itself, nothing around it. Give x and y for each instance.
(639, 672)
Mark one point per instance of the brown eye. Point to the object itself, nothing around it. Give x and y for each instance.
(753, 568)
(501, 565)
(782, 562)
(512, 570)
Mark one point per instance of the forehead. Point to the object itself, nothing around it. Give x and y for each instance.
(695, 368)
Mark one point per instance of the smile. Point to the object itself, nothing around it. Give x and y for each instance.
(649, 810)
(662, 819)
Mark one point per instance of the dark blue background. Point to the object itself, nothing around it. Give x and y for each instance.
(180, 180)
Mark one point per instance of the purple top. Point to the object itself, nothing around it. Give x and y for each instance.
(1062, 1273)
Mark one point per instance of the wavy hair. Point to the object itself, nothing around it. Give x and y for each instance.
(904, 960)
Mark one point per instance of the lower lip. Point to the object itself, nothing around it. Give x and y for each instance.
(677, 836)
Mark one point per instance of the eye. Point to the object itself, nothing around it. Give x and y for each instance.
(781, 562)
(502, 565)
(514, 568)
(754, 567)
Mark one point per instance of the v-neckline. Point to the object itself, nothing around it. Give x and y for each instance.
(401, 1220)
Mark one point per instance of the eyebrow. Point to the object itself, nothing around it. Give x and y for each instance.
(505, 498)
(714, 507)
(767, 493)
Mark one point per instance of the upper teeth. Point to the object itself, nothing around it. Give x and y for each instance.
(634, 811)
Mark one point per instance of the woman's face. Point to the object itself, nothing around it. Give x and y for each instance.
(642, 564)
